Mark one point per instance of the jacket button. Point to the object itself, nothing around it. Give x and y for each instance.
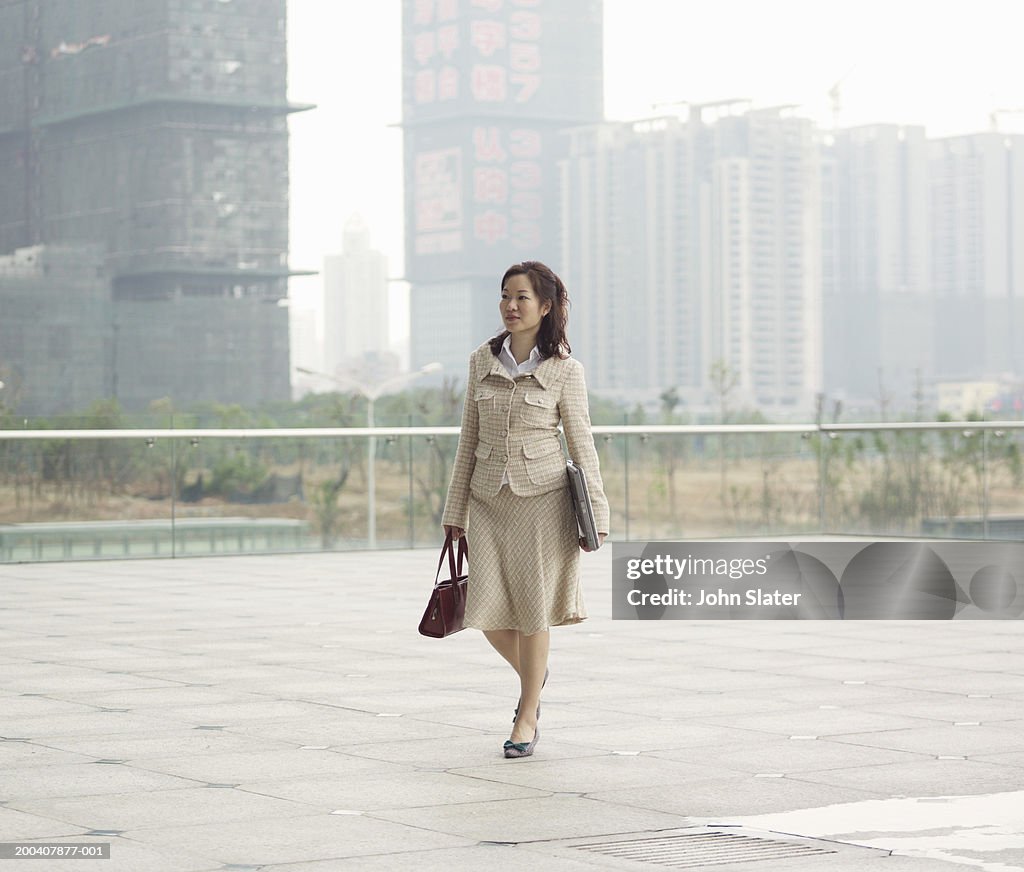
(504, 458)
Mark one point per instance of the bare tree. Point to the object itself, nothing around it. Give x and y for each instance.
(670, 449)
(724, 380)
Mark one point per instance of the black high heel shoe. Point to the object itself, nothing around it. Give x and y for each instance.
(547, 672)
(522, 749)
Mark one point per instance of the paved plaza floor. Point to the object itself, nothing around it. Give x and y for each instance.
(281, 713)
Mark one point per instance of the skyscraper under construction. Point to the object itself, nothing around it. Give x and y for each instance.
(156, 129)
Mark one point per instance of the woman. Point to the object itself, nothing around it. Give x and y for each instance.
(508, 492)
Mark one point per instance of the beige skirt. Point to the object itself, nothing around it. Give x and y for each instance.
(524, 559)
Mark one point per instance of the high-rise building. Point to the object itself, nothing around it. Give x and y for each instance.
(877, 315)
(487, 87)
(355, 302)
(631, 230)
(698, 246)
(157, 129)
(306, 350)
(56, 339)
(977, 214)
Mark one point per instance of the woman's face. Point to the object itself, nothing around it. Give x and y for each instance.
(521, 309)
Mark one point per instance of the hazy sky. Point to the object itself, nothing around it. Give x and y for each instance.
(936, 63)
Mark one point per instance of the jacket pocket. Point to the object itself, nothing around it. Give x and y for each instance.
(545, 464)
(478, 481)
(484, 399)
(538, 409)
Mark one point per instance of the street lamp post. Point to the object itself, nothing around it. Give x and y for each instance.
(371, 393)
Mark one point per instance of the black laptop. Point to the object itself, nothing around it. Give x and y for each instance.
(581, 503)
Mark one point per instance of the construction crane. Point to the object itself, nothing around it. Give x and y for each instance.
(993, 116)
(834, 96)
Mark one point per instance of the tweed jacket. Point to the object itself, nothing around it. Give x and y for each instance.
(513, 423)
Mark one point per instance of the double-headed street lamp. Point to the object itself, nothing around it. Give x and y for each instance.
(371, 393)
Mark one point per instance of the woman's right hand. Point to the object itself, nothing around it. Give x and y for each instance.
(454, 532)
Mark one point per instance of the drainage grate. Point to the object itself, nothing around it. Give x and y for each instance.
(697, 850)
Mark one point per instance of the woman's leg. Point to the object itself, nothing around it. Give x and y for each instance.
(506, 643)
(533, 662)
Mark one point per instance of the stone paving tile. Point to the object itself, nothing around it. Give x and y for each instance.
(962, 683)
(74, 678)
(461, 751)
(335, 690)
(960, 633)
(808, 635)
(707, 679)
(350, 728)
(30, 754)
(17, 825)
(243, 678)
(497, 717)
(1012, 758)
(377, 790)
(732, 796)
(125, 856)
(159, 669)
(32, 706)
(944, 740)
(793, 756)
(1017, 725)
(788, 663)
(493, 858)
(84, 779)
(299, 839)
(164, 808)
(93, 657)
(845, 695)
(954, 708)
(869, 670)
(658, 735)
(817, 722)
(143, 699)
(528, 820)
(607, 772)
(243, 766)
(261, 711)
(558, 691)
(411, 702)
(1006, 661)
(80, 723)
(1011, 858)
(893, 650)
(184, 741)
(665, 702)
(932, 777)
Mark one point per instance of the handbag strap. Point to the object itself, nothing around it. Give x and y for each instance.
(448, 549)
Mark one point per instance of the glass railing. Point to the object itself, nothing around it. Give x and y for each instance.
(81, 494)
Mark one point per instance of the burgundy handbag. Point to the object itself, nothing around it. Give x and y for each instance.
(447, 605)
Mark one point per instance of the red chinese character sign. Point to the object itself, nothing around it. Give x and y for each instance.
(479, 194)
(488, 85)
(515, 58)
(437, 200)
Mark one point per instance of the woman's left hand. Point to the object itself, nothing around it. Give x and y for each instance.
(600, 542)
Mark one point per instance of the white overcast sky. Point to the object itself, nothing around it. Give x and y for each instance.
(937, 63)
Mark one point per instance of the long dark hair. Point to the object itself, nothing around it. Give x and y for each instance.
(551, 337)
